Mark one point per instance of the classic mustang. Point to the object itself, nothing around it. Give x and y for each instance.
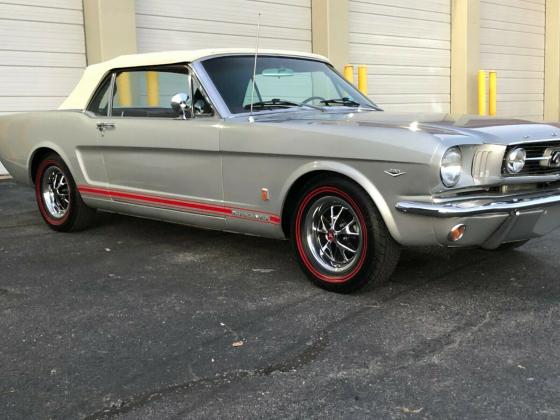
(282, 146)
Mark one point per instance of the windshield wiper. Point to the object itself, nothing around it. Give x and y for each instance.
(279, 103)
(348, 102)
(273, 103)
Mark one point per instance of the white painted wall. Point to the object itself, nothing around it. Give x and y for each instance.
(407, 48)
(190, 24)
(42, 53)
(512, 36)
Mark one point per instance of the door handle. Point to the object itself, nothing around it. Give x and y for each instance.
(105, 126)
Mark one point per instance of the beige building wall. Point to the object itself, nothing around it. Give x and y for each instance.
(110, 29)
(465, 28)
(329, 22)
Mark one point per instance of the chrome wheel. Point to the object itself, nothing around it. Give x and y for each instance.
(333, 234)
(55, 192)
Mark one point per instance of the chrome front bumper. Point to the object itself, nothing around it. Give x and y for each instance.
(466, 208)
(489, 223)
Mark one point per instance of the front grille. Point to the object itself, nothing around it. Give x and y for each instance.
(537, 159)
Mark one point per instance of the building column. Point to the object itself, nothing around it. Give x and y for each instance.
(465, 57)
(552, 62)
(110, 27)
(329, 23)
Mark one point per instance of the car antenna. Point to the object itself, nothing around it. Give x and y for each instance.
(255, 63)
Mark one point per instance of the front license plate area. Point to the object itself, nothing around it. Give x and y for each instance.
(524, 225)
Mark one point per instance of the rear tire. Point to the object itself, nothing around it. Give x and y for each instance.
(339, 237)
(58, 199)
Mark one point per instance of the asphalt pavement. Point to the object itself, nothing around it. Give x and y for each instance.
(138, 319)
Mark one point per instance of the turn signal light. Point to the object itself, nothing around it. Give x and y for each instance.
(457, 233)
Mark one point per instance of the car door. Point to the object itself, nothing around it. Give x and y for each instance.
(156, 157)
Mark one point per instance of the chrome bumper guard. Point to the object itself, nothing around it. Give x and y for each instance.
(465, 208)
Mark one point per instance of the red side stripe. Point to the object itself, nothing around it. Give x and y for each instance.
(192, 205)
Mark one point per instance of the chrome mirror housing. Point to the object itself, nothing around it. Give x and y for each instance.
(181, 104)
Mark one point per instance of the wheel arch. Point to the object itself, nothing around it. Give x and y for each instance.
(299, 178)
(38, 154)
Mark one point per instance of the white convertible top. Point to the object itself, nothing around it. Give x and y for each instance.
(93, 74)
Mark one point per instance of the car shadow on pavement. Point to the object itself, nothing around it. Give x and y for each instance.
(418, 267)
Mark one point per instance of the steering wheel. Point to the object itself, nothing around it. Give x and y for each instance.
(313, 98)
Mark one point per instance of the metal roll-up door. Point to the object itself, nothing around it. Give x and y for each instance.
(42, 53)
(407, 48)
(182, 25)
(512, 42)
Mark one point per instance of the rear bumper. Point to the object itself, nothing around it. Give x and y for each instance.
(489, 223)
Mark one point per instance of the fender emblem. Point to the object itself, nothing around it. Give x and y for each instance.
(395, 172)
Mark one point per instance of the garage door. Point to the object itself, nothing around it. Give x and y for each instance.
(512, 40)
(407, 48)
(42, 53)
(180, 24)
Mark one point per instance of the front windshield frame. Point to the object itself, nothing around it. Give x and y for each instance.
(225, 111)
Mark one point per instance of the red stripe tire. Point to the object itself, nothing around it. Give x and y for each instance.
(339, 237)
(58, 199)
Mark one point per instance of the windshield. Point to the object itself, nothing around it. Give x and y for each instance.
(280, 82)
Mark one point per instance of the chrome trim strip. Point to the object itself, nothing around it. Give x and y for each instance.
(111, 94)
(521, 142)
(455, 210)
(540, 158)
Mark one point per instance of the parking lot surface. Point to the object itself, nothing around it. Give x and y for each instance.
(141, 319)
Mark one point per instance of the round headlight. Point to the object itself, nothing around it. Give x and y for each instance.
(515, 160)
(451, 166)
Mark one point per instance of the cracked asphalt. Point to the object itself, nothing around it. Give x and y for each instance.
(136, 319)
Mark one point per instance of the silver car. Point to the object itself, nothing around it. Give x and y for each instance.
(282, 146)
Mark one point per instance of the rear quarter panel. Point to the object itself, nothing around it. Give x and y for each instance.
(70, 134)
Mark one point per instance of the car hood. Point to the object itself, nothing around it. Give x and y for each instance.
(476, 129)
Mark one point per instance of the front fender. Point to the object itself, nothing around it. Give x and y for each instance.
(354, 174)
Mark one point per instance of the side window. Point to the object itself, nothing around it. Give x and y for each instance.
(99, 104)
(148, 93)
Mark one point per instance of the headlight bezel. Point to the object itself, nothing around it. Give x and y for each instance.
(451, 167)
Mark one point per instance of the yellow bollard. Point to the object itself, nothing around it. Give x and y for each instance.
(152, 88)
(481, 92)
(123, 89)
(362, 79)
(349, 73)
(492, 96)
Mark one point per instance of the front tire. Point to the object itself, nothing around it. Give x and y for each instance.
(340, 239)
(58, 199)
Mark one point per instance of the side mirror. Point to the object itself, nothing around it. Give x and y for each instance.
(181, 104)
